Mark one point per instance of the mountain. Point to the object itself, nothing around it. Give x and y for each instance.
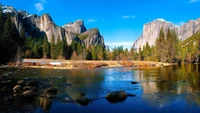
(151, 31)
(38, 26)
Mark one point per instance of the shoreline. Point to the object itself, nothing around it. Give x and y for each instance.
(84, 64)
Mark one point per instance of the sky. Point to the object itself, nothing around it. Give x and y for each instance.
(120, 22)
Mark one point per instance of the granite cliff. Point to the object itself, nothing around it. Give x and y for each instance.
(38, 26)
(151, 31)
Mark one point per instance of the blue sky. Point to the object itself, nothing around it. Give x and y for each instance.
(119, 21)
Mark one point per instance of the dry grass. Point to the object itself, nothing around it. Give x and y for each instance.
(88, 64)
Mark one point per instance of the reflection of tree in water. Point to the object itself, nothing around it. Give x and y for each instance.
(182, 79)
(45, 103)
(84, 81)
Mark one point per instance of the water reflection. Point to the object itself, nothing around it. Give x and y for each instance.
(180, 80)
(45, 103)
(158, 89)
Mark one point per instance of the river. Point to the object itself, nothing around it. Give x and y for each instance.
(161, 90)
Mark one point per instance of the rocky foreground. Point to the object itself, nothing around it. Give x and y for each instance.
(26, 90)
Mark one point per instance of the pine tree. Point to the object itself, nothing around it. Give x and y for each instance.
(160, 43)
(169, 46)
(1, 32)
(53, 47)
(1, 21)
(175, 49)
(46, 48)
(94, 53)
(7, 40)
(60, 48)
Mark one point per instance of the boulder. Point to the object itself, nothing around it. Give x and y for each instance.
(67, 100)
(116, 96)
(134, 82)
(31, 83)
(82, 94)
(17, 88)
(17, 95)
(83, 101)
(33, 88)
(21, 82)
(29, 94)
(52, 90)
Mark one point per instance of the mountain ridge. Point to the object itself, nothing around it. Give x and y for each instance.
(35, 26)
(151, 31)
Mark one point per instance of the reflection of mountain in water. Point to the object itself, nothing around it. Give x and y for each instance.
(164, 85)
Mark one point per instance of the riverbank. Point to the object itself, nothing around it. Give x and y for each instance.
(84, 64)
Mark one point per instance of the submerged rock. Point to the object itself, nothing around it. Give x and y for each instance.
(82, 94)
(130, 95)
(50, 93)
(83, 101)
(67, 100)
(52, 90)
(33, 88)
(116, 96)
(21, 82)
(31, 83)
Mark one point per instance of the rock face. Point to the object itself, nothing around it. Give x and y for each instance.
(77, 27)
(151, 31)
(188, 29)
(92, 37)
(37, 26)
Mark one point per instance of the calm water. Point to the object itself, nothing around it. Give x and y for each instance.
(181, 92)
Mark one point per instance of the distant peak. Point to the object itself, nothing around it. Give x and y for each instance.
(160, 19)
(8, 9)
(80, 20)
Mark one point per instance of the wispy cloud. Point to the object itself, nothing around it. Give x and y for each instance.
(91, 20)
(39, 6)
(129, 17)
(192, 1)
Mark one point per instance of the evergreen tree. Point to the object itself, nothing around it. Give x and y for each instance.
(60, 48)
(94, 53)
(1, 21)
(79, 48)
(1, 32)
(100, 52)
(160, 44)
(46, 48)
(53, 47)
(7, 40)
(169, 46)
